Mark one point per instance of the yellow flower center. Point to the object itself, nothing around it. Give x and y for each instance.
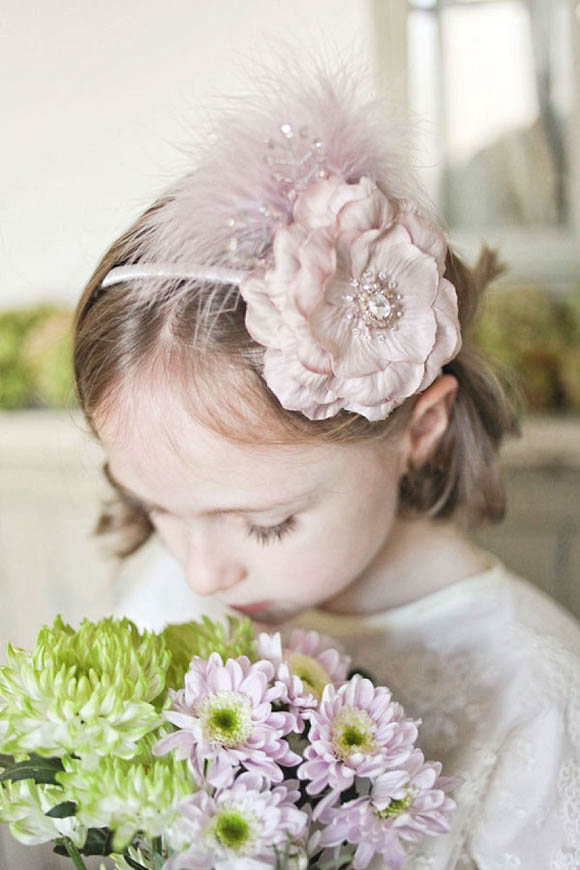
(396, 807)
(353, 732)
(226, 718)
(310, 671)
(233, 830)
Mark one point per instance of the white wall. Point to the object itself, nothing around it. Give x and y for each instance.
(94, 98)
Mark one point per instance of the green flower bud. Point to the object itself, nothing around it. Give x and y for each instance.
(190, 639)
(91, 692)
(127, 796)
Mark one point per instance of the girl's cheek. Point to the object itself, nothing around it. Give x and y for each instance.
(172, 533)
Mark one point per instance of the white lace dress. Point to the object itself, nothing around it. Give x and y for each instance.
(492, 667)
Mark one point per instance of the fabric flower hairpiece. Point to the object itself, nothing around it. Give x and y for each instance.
(355, 313)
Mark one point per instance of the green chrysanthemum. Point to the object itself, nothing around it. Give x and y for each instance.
(91, 692)
(140, 794)
(23, 806)
(201, 639)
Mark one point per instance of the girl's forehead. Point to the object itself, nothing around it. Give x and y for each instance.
(156, 441)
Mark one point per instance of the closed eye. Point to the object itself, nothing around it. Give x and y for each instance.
(267, 534)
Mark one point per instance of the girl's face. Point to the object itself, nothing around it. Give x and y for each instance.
(273, 529)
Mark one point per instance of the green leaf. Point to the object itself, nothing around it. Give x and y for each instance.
(99, 842)
(6, 762)
(132, 863)
(41, 770)
(63, 810)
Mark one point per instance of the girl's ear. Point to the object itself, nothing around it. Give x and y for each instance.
(429, 420)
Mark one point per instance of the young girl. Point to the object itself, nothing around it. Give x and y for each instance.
(276, 360)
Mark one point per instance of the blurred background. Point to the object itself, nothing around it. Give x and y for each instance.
(97, 100)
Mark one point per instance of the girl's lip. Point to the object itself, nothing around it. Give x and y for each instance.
(257, 607)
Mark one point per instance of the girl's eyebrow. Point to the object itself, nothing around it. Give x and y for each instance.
(239, 509)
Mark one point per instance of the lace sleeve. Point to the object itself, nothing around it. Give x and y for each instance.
(531, 813)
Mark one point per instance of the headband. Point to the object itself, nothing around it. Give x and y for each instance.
(119, 274)
(324, 236)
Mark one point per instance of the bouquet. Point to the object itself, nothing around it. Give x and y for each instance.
(204, 746)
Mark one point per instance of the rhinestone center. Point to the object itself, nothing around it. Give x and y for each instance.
(373, 307)
(379, 306)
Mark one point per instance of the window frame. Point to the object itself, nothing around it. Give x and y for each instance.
(548, 256)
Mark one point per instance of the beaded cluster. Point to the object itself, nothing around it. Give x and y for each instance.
(296, 168)
(375, 306)
(296, 160)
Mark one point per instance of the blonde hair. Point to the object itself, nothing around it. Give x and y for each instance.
(119, 337)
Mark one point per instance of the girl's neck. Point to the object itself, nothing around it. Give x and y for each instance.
(419, 557)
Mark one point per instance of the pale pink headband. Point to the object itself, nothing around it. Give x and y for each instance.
(152, 270)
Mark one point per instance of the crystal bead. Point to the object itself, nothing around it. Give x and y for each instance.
(292, 194)
(367, 275)
(383, 276)
(391, 285)
(317, 143)
(379, 306)
(355, 282)
(286, 130)
(349, 316)
(348, 298)
(322, 173)
(381, 337)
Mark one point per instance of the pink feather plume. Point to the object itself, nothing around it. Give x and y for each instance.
(232, 171)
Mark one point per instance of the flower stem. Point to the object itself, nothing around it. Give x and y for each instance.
(157, 853)
(74, 853)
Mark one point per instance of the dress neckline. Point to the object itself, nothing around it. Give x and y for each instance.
(458, 593)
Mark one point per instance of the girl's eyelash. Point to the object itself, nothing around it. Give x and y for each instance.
(263, 534)
(266, 534)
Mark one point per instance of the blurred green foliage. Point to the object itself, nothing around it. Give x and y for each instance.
(36, 357)
(537, 336)
(524, 328)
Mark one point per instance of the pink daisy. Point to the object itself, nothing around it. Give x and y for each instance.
(225, 719)
(404, 804)
(356, 731)
(305, 664)
(241, 826)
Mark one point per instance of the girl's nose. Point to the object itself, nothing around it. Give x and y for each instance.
(209, 570)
